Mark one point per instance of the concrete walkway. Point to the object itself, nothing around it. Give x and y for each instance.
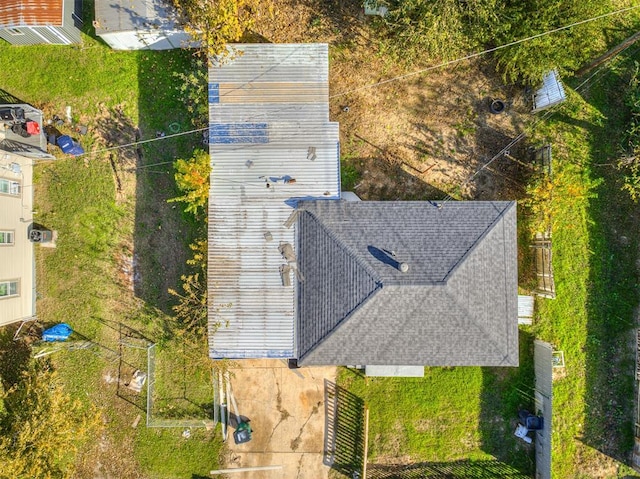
(287, 415)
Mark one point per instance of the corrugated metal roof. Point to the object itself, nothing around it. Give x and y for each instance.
(550, 93)
(28, 13)
(127, 15)
(269, 121)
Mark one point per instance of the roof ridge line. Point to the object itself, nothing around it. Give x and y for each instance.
(484, 333)
(476, 243)
(379, 286)
(344, 247)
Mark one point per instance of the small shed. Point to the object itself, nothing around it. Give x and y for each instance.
(139, 25)
(33, 22)
(550, 93)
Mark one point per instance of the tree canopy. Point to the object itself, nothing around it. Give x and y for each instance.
(41, 427)
(447, 29)
(192, 179)
(215, 23)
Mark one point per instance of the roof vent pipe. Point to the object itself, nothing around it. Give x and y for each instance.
(403, 267)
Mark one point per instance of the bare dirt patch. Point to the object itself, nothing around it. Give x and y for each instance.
(423, 137)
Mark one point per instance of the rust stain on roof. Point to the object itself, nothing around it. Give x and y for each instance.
(27, 13)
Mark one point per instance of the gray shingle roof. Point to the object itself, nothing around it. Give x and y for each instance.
(456, 305)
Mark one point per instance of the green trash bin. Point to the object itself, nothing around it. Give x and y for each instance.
(242, 433)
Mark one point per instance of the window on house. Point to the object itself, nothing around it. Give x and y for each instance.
(9, 187)
(14, 31)
(8, 289)
(6, 237)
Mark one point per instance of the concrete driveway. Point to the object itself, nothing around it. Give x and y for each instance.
(287, 414)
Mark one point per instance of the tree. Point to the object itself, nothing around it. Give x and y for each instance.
(214, 23)
(448, 29)
(565, 50)
(192, 179)
(191, 310)
(40, 426)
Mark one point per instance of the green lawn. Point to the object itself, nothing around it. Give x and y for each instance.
(81, 281)
(467, 413)
(452, 414)
(595, 248)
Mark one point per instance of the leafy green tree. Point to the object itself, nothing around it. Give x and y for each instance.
(629, 164)
(215, 23)
(40, 426)
(191, 309)
(438, 29)
(419, 30)
(566, 50)
(192, 179)
(191, 313)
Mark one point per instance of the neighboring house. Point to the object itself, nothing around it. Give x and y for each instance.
(139, 25)
(297, 272)
(17, 269)
(32, 22)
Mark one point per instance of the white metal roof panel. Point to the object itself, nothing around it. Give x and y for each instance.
(550, 93)
(268, 110)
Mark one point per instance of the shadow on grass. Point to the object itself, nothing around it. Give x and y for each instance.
(344, 430)
(614, 228)
(445, 470)
(14, 357)
(162, 232)
(8, 98)
(505, 391)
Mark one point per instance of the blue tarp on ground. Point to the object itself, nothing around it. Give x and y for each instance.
(59, 332)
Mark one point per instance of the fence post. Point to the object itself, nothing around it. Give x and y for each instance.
(366, 442)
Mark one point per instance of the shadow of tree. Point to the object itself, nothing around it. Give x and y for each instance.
(14, 357)
(505, 391)
(445, 470)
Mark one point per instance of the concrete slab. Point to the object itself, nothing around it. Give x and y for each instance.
(286, 411)
(395, 371)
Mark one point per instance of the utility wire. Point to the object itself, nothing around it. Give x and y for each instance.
(532, 126)
(384, 82)
(484, 52)
(373, 85)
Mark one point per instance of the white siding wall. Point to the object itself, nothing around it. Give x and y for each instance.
(17, 260)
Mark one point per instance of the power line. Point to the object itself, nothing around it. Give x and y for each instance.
(484, 52)
(373, 85)
(531, 127)
(140, 142)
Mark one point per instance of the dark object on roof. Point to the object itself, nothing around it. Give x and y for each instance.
(59, 332)
(454, 303)
(68, 146)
